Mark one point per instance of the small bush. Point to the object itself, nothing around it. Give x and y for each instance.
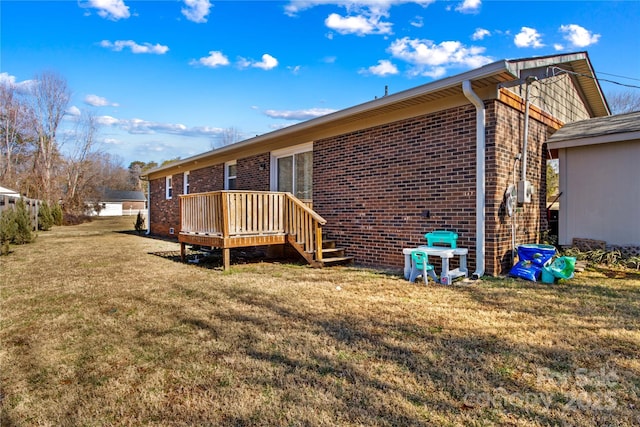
(8, 230)
(56, 213)
(73, 219)
(23, 233)
(45, 217)
(139, 224)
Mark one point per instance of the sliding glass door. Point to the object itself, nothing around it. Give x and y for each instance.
(293, 172)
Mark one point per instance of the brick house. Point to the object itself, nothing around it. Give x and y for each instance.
(438, 156)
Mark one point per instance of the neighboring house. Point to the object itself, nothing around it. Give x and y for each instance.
(436, 157)
(122, 203)
(9, 193)
(599, 161)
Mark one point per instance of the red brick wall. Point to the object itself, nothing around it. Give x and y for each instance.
(206, 179)
(506, 125)
(383, 188)
(163, 212)
(253, 173)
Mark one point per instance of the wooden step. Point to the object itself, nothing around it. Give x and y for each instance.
(326, 262)
(328, 244)
(332, 252)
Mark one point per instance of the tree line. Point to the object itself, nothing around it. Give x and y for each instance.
(32, 138)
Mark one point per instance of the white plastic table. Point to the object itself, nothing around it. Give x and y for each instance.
(447, 276)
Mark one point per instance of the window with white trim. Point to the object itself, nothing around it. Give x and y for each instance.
(185, 189)
(169, 187)
(230, 175)
(292, 171)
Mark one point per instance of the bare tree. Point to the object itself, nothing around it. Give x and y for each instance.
(80, 173)
(228, 136)
(624, 102)
(50, 98)
(13, 133)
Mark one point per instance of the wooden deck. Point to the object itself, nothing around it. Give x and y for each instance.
(233, 219)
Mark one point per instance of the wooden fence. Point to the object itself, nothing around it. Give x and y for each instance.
(33, 206)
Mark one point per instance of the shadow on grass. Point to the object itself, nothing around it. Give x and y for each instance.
(212, 259)
(474, 377)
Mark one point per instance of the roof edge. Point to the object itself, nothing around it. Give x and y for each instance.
(593, 140)
(447, 82)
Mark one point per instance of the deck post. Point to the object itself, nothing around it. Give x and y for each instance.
(226, 252)
(318, 244)
(182, 251)
(226, 261)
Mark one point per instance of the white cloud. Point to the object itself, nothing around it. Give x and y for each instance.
(480, 34)
(360, 24)
(214, 60)
(579, 36)
(294, 70)
(9, 80)
(528, 37)
(268, 62)
(296, 6)
(469, 6)
(417, 22)
(98, 101)
(108, 9)
(107, 121)
(145, 127)
(196, 10)
(298, 114)
(112, 141)
(73, 111)
(384, 68)
(432, 60)
(363, 16)
(558, 46)
(136, 48)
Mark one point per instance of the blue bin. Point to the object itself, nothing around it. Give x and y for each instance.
(531, 260)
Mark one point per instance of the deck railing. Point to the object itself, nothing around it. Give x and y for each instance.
(229, 214)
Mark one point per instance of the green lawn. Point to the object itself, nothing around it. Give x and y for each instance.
(100, 327)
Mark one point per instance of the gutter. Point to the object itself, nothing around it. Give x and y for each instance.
(480, 177)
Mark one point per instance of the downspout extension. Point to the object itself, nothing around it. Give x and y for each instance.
(480, 177)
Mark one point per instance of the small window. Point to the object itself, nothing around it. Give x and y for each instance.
(169, 187)
(230, 175)
(186, 183)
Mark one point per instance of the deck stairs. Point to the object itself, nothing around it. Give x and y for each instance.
(333, 254)
(233, 219)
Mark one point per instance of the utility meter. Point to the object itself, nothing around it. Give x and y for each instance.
(525, 191)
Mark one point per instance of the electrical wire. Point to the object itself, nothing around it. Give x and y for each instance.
(594, 78)
(616, 75)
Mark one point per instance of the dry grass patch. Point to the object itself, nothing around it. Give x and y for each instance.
(95, 330)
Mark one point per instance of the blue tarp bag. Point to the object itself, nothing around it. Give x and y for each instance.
(531, 260)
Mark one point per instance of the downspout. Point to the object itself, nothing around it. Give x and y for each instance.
(148, 209)
(146, 179)
(480, 176)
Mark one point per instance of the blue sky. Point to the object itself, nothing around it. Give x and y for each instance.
(167, 78)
